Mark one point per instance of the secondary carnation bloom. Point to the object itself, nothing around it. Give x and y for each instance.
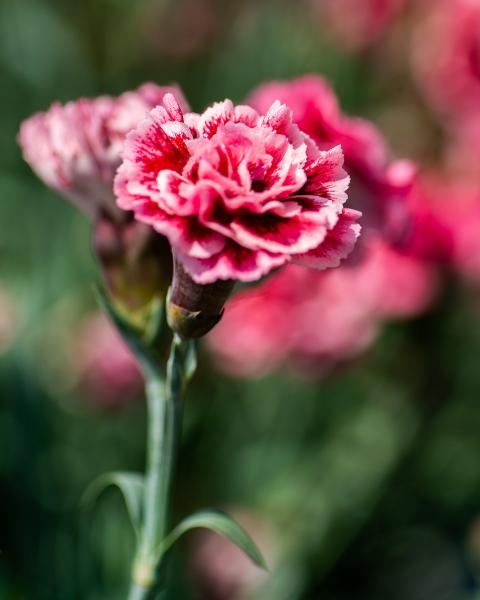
(447, 57)
(447, 223)
(237, 192)
(309, 321)
(379, 186)
(76, 148)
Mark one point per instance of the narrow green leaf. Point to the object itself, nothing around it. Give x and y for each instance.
(222, 524)
(130, 484)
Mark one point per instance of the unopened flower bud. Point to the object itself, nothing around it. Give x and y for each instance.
(194, 309)
(135, 261)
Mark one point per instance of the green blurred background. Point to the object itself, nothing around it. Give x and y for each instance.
(367, 482)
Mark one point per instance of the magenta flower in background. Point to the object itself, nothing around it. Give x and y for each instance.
(76, 148)
(237, 192)
(293, 319)
(446, 227)
(446, 57)
(309, 321)
(379, 186)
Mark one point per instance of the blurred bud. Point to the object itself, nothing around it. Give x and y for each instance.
(136, 264)
(194, 309)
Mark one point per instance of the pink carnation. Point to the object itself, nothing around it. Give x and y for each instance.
(237, 193)
(311, 321)
(299, 319)
(447, 56)
(76, 148)
(435, 211)
(358, 23)
(379, 186)
(407, 285)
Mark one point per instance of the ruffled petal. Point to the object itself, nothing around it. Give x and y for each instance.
(337, 245)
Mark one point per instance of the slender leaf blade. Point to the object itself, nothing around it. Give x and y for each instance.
(220, 523)
(129, 483)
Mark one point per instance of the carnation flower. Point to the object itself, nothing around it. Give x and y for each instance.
(446, 57)
(379, 186)
(76, 148)
(298, 319)
(237, 193)
(309, 322)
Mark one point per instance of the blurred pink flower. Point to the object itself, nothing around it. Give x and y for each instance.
(446, 223)
(434, 215)
(357, 23)
(379, 186)
(237, 193)
(407, 284)
(104, 365)
(76, 148)
(310, 321)
(446, 57)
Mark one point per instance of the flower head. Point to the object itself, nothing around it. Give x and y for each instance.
(76, 148)
(237, 193)
(379, 186)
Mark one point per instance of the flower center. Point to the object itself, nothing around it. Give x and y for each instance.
(258, 186)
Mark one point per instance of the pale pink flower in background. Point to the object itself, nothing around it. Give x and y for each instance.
(104, 366)
(379, 185)
(75, 148)
(357, 23)
(309, 322)
(408, 284)
(236, 192)
(297, 318)
(446, 57)
(446, 223)
(335, 320)
(221, 571)
(256, 332)
(434, 209)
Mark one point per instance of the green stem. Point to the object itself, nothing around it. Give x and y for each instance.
(164, 416)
